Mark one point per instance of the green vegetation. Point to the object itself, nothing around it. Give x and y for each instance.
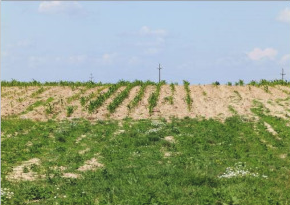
(216, 83)
(232, 110)
(91, 84)
(69, 110)
(238, 95)
(209, 162)
(77, 95)
(188, 99)
(95, 104)
(137, 99)
(49, 108)
(266, 88)
(37, 104)
(38, 92)
(84, 100)
(122, 96)
(60, 83)
(171, 97)
(153, 99)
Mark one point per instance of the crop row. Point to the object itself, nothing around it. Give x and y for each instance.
(154, 97)
(122, 96)
(95, 84)
(188, 98)
(95, 104)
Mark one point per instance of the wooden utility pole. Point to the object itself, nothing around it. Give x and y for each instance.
(159, 68)
(91, 77)
(282, 74)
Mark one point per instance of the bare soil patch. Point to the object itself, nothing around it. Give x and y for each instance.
(80, 138)
(91, 164)
(19, 173)
(71, 175)
(169, 139)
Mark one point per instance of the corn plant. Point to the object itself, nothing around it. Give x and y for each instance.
(122, 96)
(69, 110)
(154, 97)
(77, 95)
(266, 88)
(137, 99)
(85, 99)
(170, 98)
(49, 108)
(216, 83)
(238, 94)
(241, 83)
(38, 92)
(95, 104)
(188, 99)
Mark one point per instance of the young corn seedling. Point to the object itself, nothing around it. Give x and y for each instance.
(188, 98)
(121, 97)
(101, 99)
(153, 99)
(70, 110)
(137, 99)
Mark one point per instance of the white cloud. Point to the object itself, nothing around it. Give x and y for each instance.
(157, 42)
(77, 59)
(35, 61)
(134, 61)
(60, 7)
(285, 60)
(284, 15)
(108, 58)
(259, 54)
(145, 30)
(152, 51)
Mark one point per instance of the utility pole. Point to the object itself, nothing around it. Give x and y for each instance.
(159, 68)
(282, 74)
(91, 77)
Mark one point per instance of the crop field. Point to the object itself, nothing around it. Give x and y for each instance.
(140, 100)
(145, 143)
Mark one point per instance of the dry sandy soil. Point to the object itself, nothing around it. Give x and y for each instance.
(208, 101)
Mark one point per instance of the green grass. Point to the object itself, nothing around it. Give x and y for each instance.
(135, 170)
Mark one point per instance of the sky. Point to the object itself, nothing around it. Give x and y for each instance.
(201, 42)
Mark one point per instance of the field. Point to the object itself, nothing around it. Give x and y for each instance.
(145, 143)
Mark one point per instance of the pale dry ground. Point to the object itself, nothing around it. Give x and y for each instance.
(19, 174)
(123, 109)
(209, 101)
(142, 110)
(10, 103)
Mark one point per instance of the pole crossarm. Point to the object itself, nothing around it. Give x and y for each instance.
(283, 74)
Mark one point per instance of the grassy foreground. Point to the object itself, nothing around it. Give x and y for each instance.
(203, 162)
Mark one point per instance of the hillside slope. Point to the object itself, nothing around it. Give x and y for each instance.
(209, 101)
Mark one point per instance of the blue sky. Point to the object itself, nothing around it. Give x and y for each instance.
(201, 42)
